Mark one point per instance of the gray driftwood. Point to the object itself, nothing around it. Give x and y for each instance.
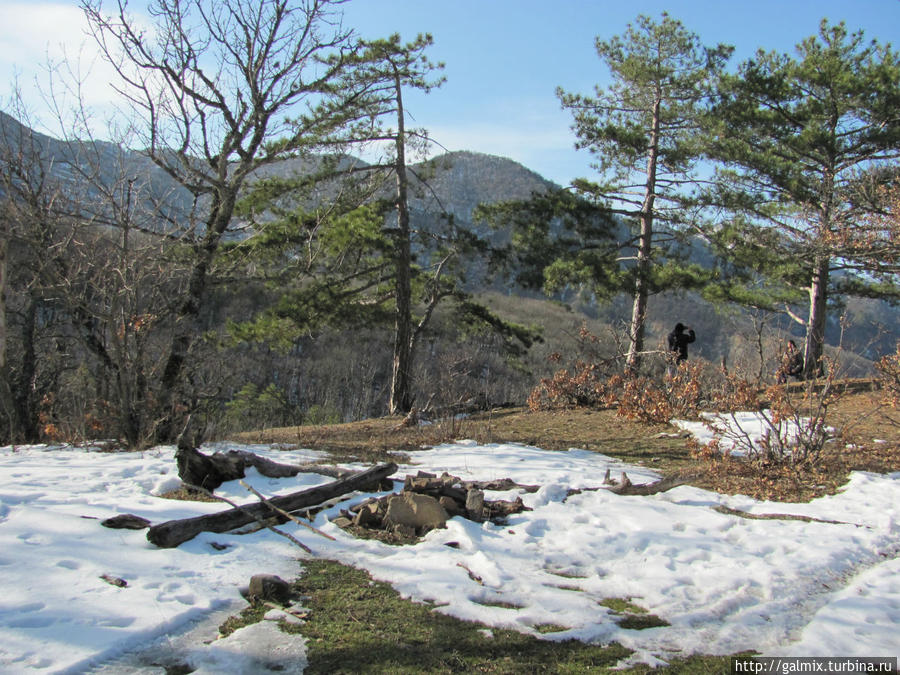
(210, 471)
(626, 487)
(175, 532)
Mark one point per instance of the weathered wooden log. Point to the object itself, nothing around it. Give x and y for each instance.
(206, 471)
(777, 516)
(498, 510)
(627, 488)
(501, 485)
(210, 471)
(270, 469)
(451, 486)
(174, 532)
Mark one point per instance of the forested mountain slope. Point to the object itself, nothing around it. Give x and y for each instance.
(349, 374)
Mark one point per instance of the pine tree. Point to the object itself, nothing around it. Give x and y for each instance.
(367, 259)
(797, 136)
(390, 68)
(645, 131)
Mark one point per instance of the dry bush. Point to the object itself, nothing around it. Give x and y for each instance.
(679, 396)
(889, 377)
(794, 421)
(586, 386)
(639, 398)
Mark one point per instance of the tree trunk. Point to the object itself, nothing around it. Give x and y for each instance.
(639, 306)
(172, 409)
(645, 250)
(24, 388)
(815, 329)
(210, 471)
(174, 532)
(401, 395)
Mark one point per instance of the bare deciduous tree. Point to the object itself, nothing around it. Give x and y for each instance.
(218, 89)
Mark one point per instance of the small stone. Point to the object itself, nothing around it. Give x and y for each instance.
(126, 521)
(114, 581)
(274, 615)
(269, 587)
(475, 504)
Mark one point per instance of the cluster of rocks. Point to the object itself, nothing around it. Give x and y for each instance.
(426, 503)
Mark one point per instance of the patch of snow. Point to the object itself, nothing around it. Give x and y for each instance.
(723, 583)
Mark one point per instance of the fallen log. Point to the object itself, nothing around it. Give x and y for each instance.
(210, 471)
(451, 486)
(175, 532)
(626, 487)
(728, 511)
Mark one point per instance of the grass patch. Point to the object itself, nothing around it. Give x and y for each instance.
(186, 494)
(567, 575)
(641, 621)
(357, 625)
(634, 617)
(622, 606)
(251, 614)
(499, 604)
(567, 587)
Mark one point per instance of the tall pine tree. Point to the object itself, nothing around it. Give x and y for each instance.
(645, 132)
(797, 136)
(390, 68)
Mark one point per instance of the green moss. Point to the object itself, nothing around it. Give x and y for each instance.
(622, 606)
(357, 625)
(254, 613)
(634, 617)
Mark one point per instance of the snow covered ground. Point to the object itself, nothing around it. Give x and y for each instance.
(724, 583)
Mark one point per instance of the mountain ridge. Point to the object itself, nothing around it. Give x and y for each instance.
(457, 183)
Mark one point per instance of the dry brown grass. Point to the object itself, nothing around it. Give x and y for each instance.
(870, 442)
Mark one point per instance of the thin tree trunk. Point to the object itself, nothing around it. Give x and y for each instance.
(188, 314)
(401, 397)
(641, 293)
(6, 398)
(645, 250)
(815, 328)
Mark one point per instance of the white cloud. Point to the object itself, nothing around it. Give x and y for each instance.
(29, 30)
(38, 38)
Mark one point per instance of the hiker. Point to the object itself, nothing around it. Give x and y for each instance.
(679, 341)
(791, 364)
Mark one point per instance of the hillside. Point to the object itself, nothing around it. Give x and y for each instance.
(457, 183)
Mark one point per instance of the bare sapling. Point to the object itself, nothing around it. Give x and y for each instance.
(785, 424)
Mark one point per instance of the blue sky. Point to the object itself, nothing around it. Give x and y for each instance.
(504, 58)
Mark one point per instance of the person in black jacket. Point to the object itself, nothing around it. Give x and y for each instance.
(679, 341)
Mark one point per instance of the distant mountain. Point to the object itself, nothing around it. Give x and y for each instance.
(463, 180)
(83, 167)
(457, 183)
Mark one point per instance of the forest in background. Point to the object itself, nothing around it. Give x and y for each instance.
(246, 269)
